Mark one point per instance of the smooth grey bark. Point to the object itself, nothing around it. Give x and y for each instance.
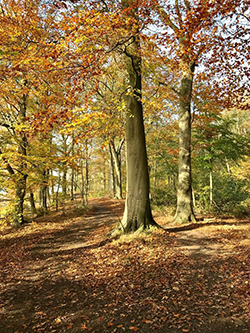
(184, 210)
(116, 174)
(137, 213)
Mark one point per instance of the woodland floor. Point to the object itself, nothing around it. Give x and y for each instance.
(61, 273)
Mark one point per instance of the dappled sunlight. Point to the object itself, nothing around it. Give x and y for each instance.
(73, 278)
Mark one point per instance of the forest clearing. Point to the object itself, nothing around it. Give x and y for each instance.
(61, 273)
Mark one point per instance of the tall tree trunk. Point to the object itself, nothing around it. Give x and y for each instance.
(104, 177)
(32, 203)
(64, 165)
(52, 185)
(112, 172)
(116, 158)
(210, 185)
(184, 211)
(86, 192)
(82, 189)
(76, 179)
(72, 169)
(137, 213)
(57, 191)
(22, 170)
(72, 185)
(64, 181)
(19, 199)
(44, 191)
(193, 197)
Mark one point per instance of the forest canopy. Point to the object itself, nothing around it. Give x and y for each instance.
(143, 99)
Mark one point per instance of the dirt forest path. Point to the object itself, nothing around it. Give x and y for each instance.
(62, 274)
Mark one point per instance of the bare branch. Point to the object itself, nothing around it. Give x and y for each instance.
(170, 87)
(5, 125)
(166, 19)
(177, 8)
(187, 4)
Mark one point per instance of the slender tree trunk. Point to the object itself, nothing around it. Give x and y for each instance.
(112, 172)
(137, 213)
(64, 181)
(72, 185)
(86, 192)
(184, 211)
(83, 184)
(193, 197)
(44, 191)
(85, 175)
(104, 177)
(52, 185)
(116, 158)
(22, 172)
(228, 167)
(210, 185)
(57, 191)
(32, 203)
(19, 199)
(76, 185)
(72, 169)
(64, 165)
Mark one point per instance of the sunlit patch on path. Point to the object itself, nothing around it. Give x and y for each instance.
(63, 274)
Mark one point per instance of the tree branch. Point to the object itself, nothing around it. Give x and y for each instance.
(187, 4)
(8, 166)
(5, 125)
(178, 12)
(170, 87)
(166, 18)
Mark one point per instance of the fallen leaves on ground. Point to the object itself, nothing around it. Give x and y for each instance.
(68, 277)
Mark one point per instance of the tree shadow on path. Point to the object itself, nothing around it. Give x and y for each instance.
(74, 279)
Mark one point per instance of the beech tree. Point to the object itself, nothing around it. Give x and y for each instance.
(23, 37)
(123, 36)
(14, 102)
(191, 32)
(137, 214)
